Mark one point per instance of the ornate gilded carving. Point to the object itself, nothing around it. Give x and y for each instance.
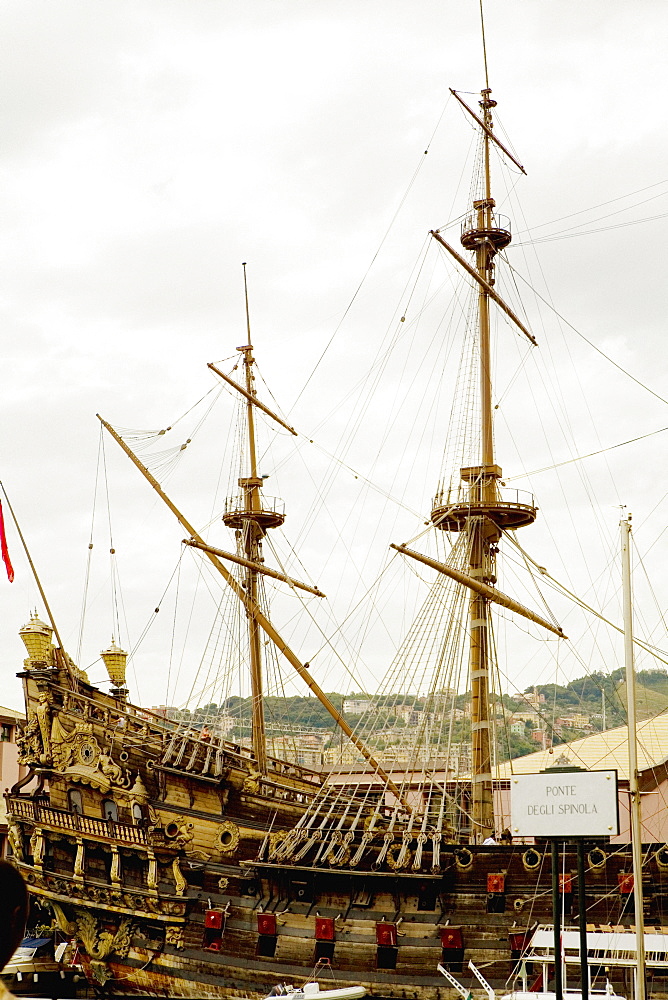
(252, 782)
(180, 833)
(15, 837)
(100, 944)
(227, 838)
(61, 741)
(111, 770)
(137, 902)
(174, 937)
(68, 927)
(100, 972)
(223, 884)
(115, 871)
(34, 742)
(398, 856)
(37, 847)
(79, 755)
(43, 713)
(97, 943)
(276, 839)
(180, 883)
(79, 860)
(152, 876)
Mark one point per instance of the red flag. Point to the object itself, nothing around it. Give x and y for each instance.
(4, 551)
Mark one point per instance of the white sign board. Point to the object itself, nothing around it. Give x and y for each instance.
(564, 804)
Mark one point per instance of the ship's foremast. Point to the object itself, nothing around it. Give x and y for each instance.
(251, 522)
(250, 515)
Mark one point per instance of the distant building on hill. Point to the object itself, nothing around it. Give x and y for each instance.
(575, 721)
(542, 737)
(532, 698)
(306, 749)
(402, 756)
(528, 715)
(357, 706)
(408, 714)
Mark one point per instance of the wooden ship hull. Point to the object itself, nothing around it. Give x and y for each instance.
(169, 897)
(174, 908)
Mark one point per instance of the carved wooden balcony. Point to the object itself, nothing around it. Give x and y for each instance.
(39, 814)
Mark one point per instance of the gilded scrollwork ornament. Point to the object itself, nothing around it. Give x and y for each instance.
(37, 848)
(15, 837)
(180, 833)
(251, 783)
(174, 937)
(227, 837)
(100, 972)
(64, 924)
(43, 714)
(34, 743)
(180, 883)
(77, 754)
(99, 944)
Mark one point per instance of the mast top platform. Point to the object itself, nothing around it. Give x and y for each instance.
(265, 512)
(481, 497)
(496, 235)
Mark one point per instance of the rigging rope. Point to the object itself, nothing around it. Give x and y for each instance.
(589, 232)
(84, 599)
(578, 600)
(575, 330)
(602, 204)
(581, 458)
(374, 257)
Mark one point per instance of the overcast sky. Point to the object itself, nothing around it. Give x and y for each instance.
(148, 148)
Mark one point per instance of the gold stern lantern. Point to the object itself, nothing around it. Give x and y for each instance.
(36, 637)
(114, 660)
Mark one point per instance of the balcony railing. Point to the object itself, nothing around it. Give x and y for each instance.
(237, 505)
(458, 496)
(59, 819)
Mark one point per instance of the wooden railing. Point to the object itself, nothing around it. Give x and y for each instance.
(189, 753)
(43, 815)
(286, 793)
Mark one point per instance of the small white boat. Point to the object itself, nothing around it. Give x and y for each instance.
(309, 990)
(38, 966)
(525, 994)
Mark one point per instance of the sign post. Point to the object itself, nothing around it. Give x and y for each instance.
(564, 803)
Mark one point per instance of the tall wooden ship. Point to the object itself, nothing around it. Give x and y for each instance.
(185, 863)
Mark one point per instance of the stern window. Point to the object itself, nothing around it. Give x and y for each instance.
(75, 801)
(110, 810)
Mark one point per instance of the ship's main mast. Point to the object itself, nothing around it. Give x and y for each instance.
(480, 510)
